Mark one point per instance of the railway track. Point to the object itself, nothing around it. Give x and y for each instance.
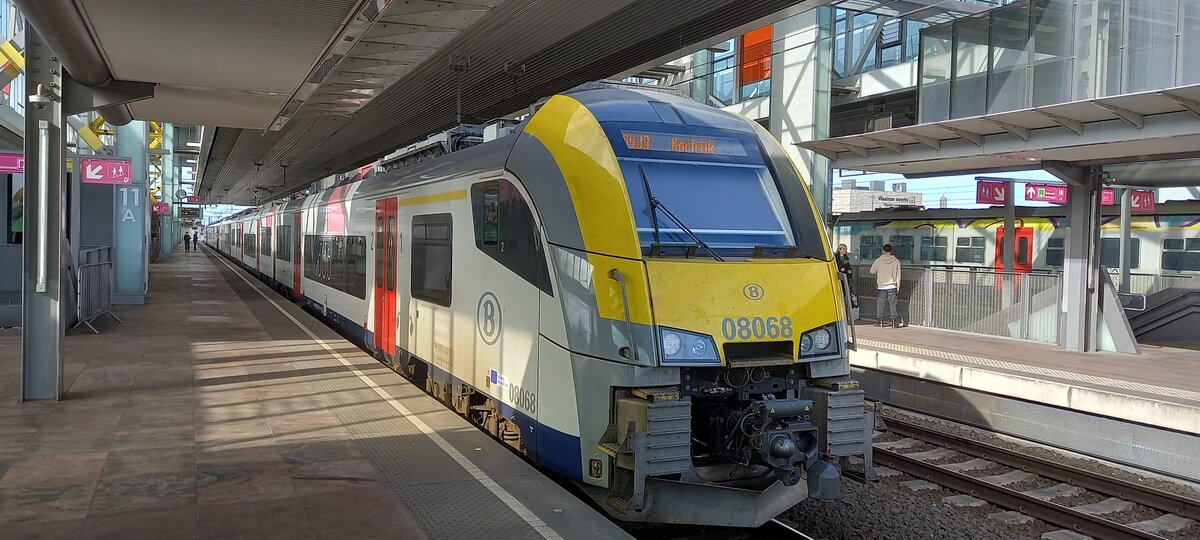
(1072, 482)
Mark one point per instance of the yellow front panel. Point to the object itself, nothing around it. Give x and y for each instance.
(585, 157)
(698, 296)
(609, 301)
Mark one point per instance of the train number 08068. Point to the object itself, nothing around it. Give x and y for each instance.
(743, 328)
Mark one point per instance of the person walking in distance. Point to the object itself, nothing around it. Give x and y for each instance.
(886, 270)
(187, 241)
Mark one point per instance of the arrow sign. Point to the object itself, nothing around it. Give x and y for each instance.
(107, 171)
(989, 192)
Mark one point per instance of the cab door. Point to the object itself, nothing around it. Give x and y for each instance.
(385, 274)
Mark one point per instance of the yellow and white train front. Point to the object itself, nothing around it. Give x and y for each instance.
(701, 309)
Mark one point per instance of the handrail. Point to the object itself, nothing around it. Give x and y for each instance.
(617, 276)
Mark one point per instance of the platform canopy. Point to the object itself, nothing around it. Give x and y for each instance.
(323, 86)
(1131, 128)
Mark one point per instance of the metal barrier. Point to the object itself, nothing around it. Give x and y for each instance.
(979, 300)
(1148, 284)
(94, 286)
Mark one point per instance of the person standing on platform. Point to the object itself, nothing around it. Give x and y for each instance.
(886, 270)
(842, 257)
(187, 241)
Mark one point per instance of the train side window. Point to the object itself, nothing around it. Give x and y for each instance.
(1055, 252)
(506, 231)
(356, 266)
(283, 247)
(902, 247)
(1022, 250)
(248, 245)
(969, 249)
(380, 253)
(265, 244)
(1181, 255)
(934, 248)
(432, 258)
(1110, 252)
(870, 247)
(392, 233)
(337, 260)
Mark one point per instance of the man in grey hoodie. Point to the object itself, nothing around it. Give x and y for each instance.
(886, 270)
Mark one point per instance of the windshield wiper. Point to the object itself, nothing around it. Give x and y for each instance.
(656, 205)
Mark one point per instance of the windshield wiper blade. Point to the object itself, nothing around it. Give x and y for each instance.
(656, 205)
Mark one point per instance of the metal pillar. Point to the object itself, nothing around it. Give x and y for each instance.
(1126, 259)
(800, 104)
(1081, 269)
(1008, 249)
(43, 308)
(132, 208)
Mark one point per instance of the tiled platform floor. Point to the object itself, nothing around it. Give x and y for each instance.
(195, 420)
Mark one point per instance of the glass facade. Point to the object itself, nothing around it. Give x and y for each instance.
(894, 41)
(1042, 52)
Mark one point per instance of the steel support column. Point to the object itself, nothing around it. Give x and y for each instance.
(1008, 247)
(1126, 224)
(43, 306)
(1081, 269)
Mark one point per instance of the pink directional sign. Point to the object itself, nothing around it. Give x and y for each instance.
(106, 171)
(1107, 196)
(194, 199)
(989, 192)
(1142, 201)
(160, 207)
(1054, 193)
(12, 163)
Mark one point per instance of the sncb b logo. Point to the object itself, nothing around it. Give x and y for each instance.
(754, 291)
(488, 318)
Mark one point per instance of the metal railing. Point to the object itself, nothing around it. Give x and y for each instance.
(979, 300)
(1148, 284)
(94, 286)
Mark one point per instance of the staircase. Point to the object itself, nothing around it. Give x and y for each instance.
(1171, 317)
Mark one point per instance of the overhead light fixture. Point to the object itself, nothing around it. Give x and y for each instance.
(193, 144)
(368, 12)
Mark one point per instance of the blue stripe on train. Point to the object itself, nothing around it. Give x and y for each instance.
(551, 448)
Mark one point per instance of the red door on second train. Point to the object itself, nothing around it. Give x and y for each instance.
(386, 223)
(1023, 252)
(296, 258)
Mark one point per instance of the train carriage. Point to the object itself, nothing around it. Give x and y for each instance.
(633, 291)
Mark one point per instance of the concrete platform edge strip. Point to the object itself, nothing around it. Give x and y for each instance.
(507, 498)
(1165, 414)
(1034, 370)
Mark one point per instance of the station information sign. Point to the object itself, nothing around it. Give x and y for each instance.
(106, 171)
(686, 144)
(1053, 193)
(990, 192)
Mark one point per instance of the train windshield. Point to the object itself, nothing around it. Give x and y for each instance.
(731, 207)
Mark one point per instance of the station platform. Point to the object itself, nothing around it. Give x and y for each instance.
(1138, 409)
(220, 410)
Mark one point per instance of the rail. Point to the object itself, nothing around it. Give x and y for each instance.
(94, 286)
(1025, 306)
(1063, 516)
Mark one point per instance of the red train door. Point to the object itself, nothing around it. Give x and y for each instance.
(385, 274)
(296, 274)
(1023, 252)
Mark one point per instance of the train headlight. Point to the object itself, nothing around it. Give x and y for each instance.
(819, 341)
(671, 343)
(686, 348)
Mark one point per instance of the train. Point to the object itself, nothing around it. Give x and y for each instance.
(633, 290)
(1165, 243)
